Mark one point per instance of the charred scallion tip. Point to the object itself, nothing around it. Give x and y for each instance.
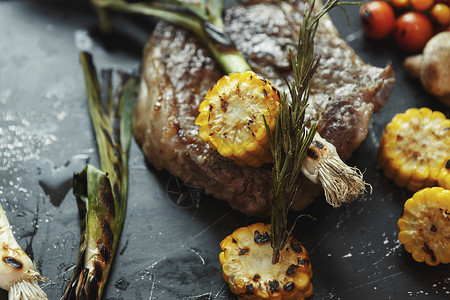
(203, 18)
(102, 194)
(18, 273)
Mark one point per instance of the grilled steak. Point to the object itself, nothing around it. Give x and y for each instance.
(178, 71)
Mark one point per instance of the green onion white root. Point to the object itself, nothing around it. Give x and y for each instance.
(341, 183)
(18, 273)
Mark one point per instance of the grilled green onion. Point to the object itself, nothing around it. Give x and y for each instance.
(102, 194)
(203, 18)
(18, 273)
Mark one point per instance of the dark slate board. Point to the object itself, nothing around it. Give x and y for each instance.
(167, 251)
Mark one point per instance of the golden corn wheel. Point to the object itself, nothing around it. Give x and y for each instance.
(425, 226)
(415, 147)
(247, 266)
(231, 117)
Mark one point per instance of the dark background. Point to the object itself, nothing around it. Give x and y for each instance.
(167, 251)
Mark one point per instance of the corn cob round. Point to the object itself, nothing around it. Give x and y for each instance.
(231, 117)
(247, 266)
(414, 148)
(425, 226)
(444, 176)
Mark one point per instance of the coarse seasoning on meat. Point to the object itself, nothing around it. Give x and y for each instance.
(178, 71)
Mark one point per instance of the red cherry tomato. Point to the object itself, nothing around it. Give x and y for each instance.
(377, 19)
(412, 31)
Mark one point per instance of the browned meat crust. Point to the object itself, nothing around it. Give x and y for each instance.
(178, 70)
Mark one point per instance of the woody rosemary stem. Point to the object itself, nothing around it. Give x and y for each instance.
(204, 20)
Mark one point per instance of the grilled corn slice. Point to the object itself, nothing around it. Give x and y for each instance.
(444, 176)
(415, 147)
(231, 117)
(425, 226)
(247, 266)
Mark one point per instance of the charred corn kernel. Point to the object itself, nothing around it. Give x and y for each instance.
(414, 148)
(425, 226)
(444, 176)
(231, 117)
(247, 266)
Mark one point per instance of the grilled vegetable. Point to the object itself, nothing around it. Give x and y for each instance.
(425, 226)
(414, 148)
(444, 176)
(102, 194)
(232, 116)
(341, 183)
(203, 18)
(246, 258)
(18, 273)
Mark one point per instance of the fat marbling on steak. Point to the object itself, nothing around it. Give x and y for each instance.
(177, 72)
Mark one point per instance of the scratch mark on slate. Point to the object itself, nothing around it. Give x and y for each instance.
(370, 282)
(198, 254)
(50, 281)
(206, 229)
(320, 242)
(220, 291)
(152, 279)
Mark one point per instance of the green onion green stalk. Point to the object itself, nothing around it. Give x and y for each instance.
(102, 194)
(203, 18)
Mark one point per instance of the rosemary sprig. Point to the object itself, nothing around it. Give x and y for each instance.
(102, 194)
(292, 137)
(203, 18)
